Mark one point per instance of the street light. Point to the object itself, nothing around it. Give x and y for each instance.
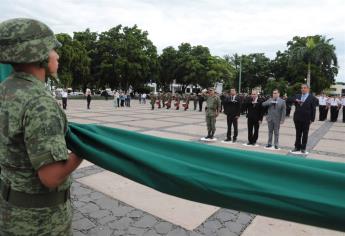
(240, 77)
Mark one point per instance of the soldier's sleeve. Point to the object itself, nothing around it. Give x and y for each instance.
(44, 137)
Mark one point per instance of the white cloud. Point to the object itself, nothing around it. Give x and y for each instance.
(224, 26)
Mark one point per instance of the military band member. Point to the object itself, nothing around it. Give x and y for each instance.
(334, 105)
(323, 107)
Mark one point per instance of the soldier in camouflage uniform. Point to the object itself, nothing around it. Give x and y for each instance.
(212, 111)
(152, 100)
(34, 162)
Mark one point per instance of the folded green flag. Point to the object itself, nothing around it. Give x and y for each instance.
(290, 188)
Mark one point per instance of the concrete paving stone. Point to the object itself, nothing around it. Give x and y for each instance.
(85, 163)
(327, 158)
(107, 219)
(335, 135)
(169, 135)
(84, 224)
(234, 227)
(181, 212)
(77, 204)
(225, 216)
(145, 222)
(81, 121)
(178, 232)
(136, 231)
(151, 232)
(149, 123)
(80, 191)
(78, 233)
(89, 208)
(213, 225)
(163, 227)
(225, 232)
(338, 128)
(77, 216)
(100, 231)
(195, 234)
(120, 126)
(121, 211)
(86, 115)
(99, 214)
(121, 224)
(263, 226)
(190, 129)
(96, 195)
(107, 203)
(331, 146)
(113, 119)
(135, 214)
(244, 218)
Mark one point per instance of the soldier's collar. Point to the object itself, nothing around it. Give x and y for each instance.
(28, 77)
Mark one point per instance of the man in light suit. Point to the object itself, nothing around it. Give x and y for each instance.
(275, 117)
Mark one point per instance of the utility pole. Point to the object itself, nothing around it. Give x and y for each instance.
(240, 77)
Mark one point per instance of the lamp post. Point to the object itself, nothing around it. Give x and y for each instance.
(240, 77)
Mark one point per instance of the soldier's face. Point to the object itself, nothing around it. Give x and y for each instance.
(211, 92)
(53, 62)
(233, 92)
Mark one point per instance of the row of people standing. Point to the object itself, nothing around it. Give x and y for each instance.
(121, 99)
(332, 104)
(275, 110)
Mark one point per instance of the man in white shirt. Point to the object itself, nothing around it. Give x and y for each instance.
(335, 105)
(64, 96)
(116, 99)
(143, 97)
(323, 108)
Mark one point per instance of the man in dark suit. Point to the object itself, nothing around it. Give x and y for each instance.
(254, 115)
(304, 115)
(232, 109)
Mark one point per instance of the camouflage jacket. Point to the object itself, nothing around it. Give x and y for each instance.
(212, 105)
(32, 128)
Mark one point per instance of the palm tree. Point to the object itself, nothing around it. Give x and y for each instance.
(315, 50)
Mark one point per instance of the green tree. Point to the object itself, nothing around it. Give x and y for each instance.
(314, 51)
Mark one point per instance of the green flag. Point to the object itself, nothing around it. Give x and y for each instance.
(291, 188)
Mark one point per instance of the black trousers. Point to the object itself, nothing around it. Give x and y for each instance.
(232, 121)
(253, 130)
(200, 105)
(88, 99)
(344, 114)
(64, 103)
(334, 113)
(323, 113)
(302, 130)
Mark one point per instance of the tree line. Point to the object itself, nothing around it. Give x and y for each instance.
(125, 57)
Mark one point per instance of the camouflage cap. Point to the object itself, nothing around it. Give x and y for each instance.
(25, 41)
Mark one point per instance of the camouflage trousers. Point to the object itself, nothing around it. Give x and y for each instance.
(211, 124)
(48, 221)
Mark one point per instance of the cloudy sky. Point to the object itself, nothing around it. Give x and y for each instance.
(225, 26)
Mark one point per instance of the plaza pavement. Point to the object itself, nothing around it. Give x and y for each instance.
(108, 204)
